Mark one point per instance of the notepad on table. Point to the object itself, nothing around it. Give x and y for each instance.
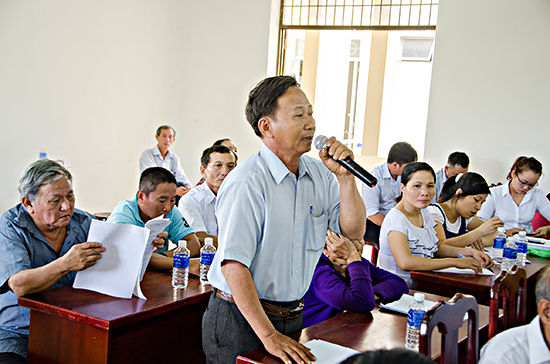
(329, 353)
(485, 272)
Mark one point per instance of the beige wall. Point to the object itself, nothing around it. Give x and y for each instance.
(89, 81)
(490, 85)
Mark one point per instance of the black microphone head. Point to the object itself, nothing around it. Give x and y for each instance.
(320, 142)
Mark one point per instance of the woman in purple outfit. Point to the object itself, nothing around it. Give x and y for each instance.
(343, 280)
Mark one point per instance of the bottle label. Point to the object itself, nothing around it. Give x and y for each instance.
(415, 318)
(181, 261)
(522, 247)
(510, 253)
(499, 243)
(207, 258)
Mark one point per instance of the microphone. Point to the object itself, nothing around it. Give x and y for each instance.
(348, 163)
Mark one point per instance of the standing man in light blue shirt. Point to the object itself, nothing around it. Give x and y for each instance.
(273, 212)
(380, 199)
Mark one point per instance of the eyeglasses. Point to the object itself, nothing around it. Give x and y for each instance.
(531, 185)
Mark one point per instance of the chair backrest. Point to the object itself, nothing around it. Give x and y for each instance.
(512, 288)
(448, 317)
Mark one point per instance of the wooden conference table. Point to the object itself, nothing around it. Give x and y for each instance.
(380, 329)
(447, 284)
(79, 326)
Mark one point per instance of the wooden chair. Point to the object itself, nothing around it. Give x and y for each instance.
(448, 317)
(512, 287)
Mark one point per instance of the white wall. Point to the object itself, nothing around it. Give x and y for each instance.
(490, 85)
(89, 82)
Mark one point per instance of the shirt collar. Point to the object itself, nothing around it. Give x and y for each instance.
(208, 196)
(506, 191)
(156, 151)
(277, 168)
(538, 350)
(386, 171)
(24, 220)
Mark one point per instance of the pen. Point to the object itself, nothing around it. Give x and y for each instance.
(460, 256)
(311, 210)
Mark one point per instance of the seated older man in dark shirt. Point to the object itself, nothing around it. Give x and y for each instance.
(42, 245)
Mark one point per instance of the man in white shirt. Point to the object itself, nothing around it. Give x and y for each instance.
(380, 199)
(458, 162)
(198, 207)
(527, 344)
(160, 156)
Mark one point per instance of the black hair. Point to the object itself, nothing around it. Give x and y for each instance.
(402, 153)
(262, 100)
(414, 167)
(205, 159)
(524, 164)
(470, 183)
(154, 176)
(162, 127)
(220, 141)
(383, 356)
(459, 158)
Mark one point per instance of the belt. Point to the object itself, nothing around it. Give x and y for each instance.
(269, 308)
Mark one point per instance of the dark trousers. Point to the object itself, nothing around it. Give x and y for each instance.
(372, 233)
(12, 358)
(226, 333)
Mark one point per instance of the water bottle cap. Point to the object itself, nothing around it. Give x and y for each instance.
(419, 297)
(502, 230)
(182, 243)
(208, 241)
(523, 234)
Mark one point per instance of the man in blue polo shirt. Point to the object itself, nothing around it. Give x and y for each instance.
(156, 197)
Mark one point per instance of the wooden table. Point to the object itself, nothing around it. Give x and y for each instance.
(79, 326)
(380, 329)
(447, 284)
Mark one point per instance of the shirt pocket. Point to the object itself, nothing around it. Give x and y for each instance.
(317, 232)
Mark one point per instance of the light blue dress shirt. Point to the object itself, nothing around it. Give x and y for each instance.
(23, 246)
(381, 198)
(440, 179)
(153, 158)
(501, 203)
(127, 212)
(198, 207)
(275, 223)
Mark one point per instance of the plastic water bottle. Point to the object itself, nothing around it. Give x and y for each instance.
(522, 249)
(207, 256)
(498, 244)
(417, 309)
(509, 255)
(180, 268)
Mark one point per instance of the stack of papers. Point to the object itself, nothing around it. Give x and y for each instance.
(121, 268)
(538, 243)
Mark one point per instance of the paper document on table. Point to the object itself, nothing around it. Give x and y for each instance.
(329, 353)
(402, 304)
(485, 272)
(538, 243)
(116, 273)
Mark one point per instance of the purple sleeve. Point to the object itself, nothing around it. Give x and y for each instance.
(358, 295)
(387, 285)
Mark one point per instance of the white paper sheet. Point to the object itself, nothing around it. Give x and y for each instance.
(535, 243)
(329, 353)
(402, 304)
(117, 272)
(155, 226)
(485, 272)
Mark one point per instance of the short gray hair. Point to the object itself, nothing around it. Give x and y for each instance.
(543, 285)
(39, 173)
